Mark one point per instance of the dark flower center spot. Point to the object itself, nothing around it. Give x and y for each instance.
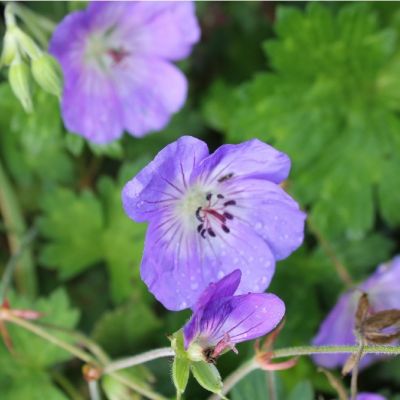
(117, 55)
(214, 212)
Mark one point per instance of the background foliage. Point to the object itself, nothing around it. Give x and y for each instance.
(319, 81)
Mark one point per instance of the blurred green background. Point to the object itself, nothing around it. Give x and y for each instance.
(319, 81)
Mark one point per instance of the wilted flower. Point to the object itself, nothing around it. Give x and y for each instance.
(211, 214)
(115, 57)
(220, 319)
(382, 288)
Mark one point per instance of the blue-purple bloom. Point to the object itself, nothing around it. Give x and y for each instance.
(220, 319)
(116, 60)
(383, 289)
(210, 214)
(369, 396)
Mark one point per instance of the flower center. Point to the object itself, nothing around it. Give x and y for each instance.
(214, 214)
(104, 51)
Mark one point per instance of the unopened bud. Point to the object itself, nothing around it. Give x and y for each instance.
(19, 78)
(9, 49)
(47, 74)
(27, 44)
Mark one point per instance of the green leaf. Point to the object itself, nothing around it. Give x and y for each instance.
(29, 384)
(23, 374)
(32, 350)
(127, 328)
(73, 225)
(33, 145)
(85, 229)
(180, 374)
(389, 193)
(330, 102)
(258, 385)
(302, 391)
(207, 376)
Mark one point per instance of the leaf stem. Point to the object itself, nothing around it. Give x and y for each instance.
(13, 262)
(13, 219)
(82, 355)
(252, 364)
(139, 359)
(94, 391)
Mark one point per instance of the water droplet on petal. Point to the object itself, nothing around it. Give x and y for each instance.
(220, 274)
(194, 285)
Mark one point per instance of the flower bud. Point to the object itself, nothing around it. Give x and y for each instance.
(19, 78)
(9, 49)
(47, 74)
(27, 44)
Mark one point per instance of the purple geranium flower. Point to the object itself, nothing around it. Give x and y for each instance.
(369, 396)
(383, 289)
(220, 319)
(210, 214)
(116, 58)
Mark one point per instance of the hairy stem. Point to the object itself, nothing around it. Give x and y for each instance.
(94, 391)
(147, 393)
(252, 364)
(139, 359)
(354, 374)
(82, 355)
(25, 277)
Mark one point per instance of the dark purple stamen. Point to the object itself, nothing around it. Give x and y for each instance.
(211, 232)
(225, 177)
(198, 214)
(213, 213)
(228, 215)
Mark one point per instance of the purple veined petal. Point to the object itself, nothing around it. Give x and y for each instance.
(369, 396)
(151, 90)
(223, 288)
(242, 318)
(170, 32)
(167, 29)
(68, 43)
(383, 287)
(272, 213)
(251, 159)
(91, 108)
(157, 187)
(178, 265)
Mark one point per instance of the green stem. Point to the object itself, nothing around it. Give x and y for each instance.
(137, 388)
(252, 364)
(25, 277)
(12, 263)
(82, 355)
(139, 359)
(94, 391)
(308, 350)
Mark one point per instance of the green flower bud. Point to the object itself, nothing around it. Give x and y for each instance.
(20, 79)
(207, 376)
(27, 44)
(47, 74)
(9, 49)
